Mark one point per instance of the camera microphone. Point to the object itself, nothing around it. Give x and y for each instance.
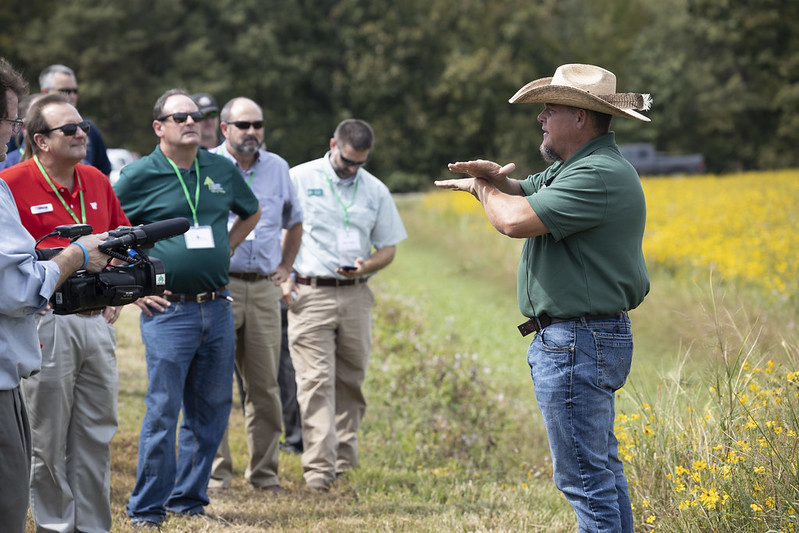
(145, 235)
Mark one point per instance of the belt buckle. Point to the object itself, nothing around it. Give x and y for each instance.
(201, 297)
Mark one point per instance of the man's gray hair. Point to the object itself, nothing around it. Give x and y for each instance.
(47, 77)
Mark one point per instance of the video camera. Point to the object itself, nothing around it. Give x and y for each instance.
(114, 285)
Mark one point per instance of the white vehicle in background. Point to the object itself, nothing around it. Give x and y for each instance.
(119, 157)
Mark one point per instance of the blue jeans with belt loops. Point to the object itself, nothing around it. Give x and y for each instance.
(190, 351)
(577, 366)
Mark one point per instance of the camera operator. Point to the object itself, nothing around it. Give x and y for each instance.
(26, 285)
(73, 400)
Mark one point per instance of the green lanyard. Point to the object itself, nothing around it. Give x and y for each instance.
(55, 190)
(338, 198)
(193, 206)
(252, 175)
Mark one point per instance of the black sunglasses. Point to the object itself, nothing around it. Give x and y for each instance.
(71, 129)
(350, 162)
(180, 118)
(68, 91)
(242, 125)
(211, 114)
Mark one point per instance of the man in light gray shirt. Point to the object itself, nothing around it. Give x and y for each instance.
(258, 266)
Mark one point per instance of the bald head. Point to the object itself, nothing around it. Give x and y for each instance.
(243, 128)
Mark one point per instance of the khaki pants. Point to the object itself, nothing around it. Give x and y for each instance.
(256, 315)
(72, 405)
(330, 337)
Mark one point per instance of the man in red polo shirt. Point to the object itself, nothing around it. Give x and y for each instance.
(73, 400)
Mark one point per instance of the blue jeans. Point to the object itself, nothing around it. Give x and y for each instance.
(577, 367)
(190, 351)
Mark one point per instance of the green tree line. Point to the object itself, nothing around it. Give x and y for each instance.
(432, 76)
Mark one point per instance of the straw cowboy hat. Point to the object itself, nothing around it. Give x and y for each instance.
(587, 87)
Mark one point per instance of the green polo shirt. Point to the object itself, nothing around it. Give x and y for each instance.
(150, 191)
(591, 262)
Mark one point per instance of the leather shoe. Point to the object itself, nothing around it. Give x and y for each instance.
(318, 485)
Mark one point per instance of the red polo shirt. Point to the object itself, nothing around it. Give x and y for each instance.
(41, 210)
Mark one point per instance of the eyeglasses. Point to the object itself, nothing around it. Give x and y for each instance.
(242, 125)
(180, 118)
(68, 91)
(350, 162)
(211, 114)
(16, 124)
(71, 129)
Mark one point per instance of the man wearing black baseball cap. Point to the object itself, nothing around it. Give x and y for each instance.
(209, 125)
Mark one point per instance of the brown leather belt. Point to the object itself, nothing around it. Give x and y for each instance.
(248, 276)
(93, 312)
(199, 298)
(329, 282)
(537, 323)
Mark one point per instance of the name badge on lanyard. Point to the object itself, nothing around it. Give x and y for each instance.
(199, 237)
(349, 246)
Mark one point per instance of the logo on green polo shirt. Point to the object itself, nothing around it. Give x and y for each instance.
(213, 187)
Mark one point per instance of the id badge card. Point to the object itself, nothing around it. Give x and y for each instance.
(199, 237)
(349, 246)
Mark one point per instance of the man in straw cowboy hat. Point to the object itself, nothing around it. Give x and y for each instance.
(581, 270)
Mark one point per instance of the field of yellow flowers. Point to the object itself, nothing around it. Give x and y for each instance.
(743, 226)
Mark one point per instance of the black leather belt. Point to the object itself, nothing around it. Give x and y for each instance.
(537, 323)
(199, 298)
(248, 276)
(93, 312)
(328, 282)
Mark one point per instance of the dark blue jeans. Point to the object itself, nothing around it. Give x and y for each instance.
(577, 367)
(190, 357)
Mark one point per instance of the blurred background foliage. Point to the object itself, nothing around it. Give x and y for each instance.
(432, 76)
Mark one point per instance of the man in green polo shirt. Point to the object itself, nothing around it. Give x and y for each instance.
(188, 332)
(582, 269)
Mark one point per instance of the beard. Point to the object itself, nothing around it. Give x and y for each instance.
(549, 154)
(248, 148)
(341, 172)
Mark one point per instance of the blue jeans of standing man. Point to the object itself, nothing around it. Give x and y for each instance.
(577, 366)
(190, 351)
